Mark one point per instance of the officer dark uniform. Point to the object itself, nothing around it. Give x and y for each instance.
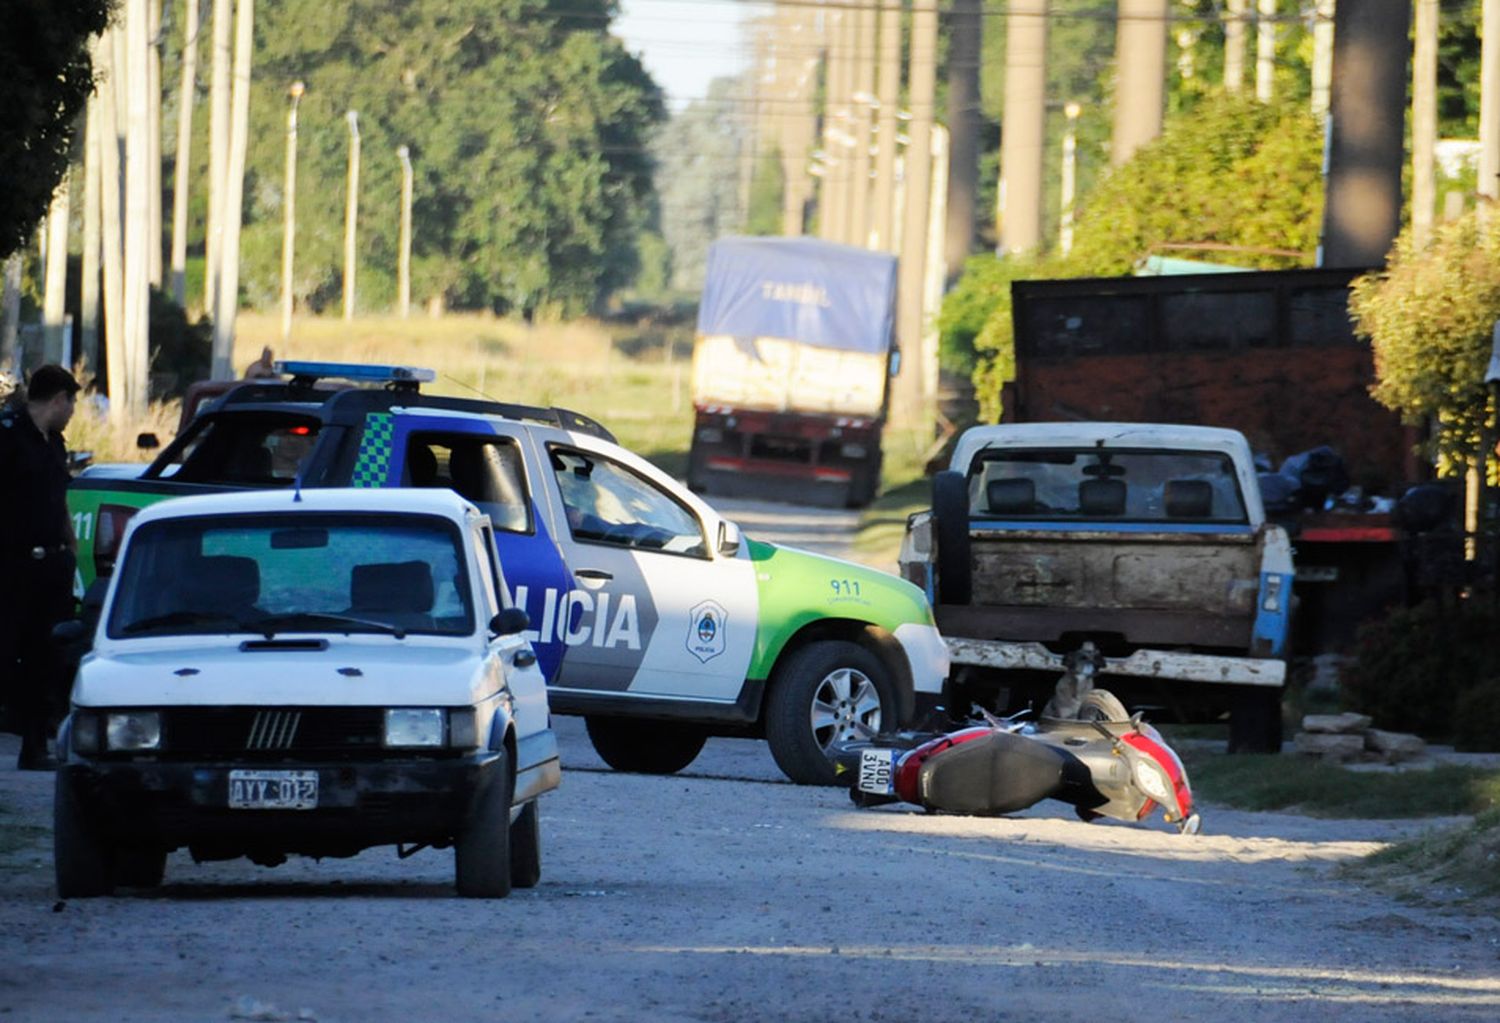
(36, 556)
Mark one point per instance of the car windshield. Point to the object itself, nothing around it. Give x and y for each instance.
(1102, 484)
(277, 574)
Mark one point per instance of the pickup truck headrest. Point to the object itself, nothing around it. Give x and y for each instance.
(1011, 496)
(392, 586)
(1189, 499)
(223, 583)
(1101, 497)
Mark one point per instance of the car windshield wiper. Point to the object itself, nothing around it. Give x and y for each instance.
(184, 618)
(271, 623)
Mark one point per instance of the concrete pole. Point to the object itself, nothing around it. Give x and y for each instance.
(861, 107)
(108, 142)
(888, 80)
(1234, 45)
(289, 210)
(909, 391)
(1322, 68)
(137, 202)
(1424, 122)
(1140, 70)
(937, 267)
(1488, 184)
(88, 291)
(351, 215)
(1362, 212)
(798, 120)
(403, 258)
(218, 145)
(153, 165)
(182, 167)
(227, 312)
(965, 49)
(1265, 52)
(1069, 177)
(1023, 133)
(55, 278)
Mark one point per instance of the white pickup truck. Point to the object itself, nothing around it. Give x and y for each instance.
(1138, 552)
(308, 673)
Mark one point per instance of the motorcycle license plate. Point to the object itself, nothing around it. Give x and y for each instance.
(877, 771)
(273, 790)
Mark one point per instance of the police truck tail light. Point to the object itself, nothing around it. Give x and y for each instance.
(109, 530)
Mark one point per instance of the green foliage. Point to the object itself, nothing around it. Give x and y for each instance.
(1429, 317)
(181, 350)
(766, 187)
(1424, 669)
(46, 80)
(527, 125)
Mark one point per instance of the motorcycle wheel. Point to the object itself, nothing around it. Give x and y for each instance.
(1102, 705)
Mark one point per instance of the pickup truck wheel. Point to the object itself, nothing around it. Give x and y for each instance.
(1255, 720)
(481, 855)
(140, 868)
(80, 856)
(526, 848)
(827, 692)
(644, 746)
(950, 524)
(1102, 705)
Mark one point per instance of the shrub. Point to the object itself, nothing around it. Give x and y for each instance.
(1476, 721)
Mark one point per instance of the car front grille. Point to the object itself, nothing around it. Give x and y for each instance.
(269, 731)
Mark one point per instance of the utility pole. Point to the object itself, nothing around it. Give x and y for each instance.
(1234, 45)
(1140, 69)
(1424, 122)
(833, 204)
(137, 203)
(1362, 211)
(153, 163)
(403, 258)
(351, 214)
(289, 210)
(965, 46)
(1322, 68)
(1069, 177)
(88, 289)
(108, 143)
(1265, 52)
(55, 286)
(888, 81)
(861, 108)
(798, 122)
(922, 81)
(1023, 130)
(218, 147)
(1488, 184)
(936, 268)
(227, 311)
(182, 167)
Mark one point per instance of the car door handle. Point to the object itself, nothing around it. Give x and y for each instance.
(593, 573)
(523, 659)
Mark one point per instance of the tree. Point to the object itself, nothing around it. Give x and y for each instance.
(47, 79)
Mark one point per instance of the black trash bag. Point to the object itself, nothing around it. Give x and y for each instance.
(1281, 494)
(1320, 474)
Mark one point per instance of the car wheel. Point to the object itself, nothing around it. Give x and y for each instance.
(526, 848)
(481, 855)
(1102, 705)
(645, 746)
(80, 855)
(140, 868)
(1255, 720)
(827, 692)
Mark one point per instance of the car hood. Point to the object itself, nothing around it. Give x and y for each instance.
(411, 673)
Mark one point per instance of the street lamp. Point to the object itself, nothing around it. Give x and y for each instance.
(289, 210)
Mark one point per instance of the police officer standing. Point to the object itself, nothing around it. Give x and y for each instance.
(37, 554)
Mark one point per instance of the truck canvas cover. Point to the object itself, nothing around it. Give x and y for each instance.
(800, 289)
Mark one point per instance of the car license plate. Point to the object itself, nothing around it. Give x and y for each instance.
(273, 790)
(877, 771)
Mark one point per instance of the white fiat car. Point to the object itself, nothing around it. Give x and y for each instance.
(308, 673)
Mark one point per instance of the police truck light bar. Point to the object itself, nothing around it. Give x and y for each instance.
(357, 371)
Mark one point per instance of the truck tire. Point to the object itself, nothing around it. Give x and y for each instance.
(481, 853)
(81, 857)
(950, 525)
(643, 746)
(526, 848)
(1255, 720)
(826, 692)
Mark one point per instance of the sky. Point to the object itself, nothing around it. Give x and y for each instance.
(685, 44)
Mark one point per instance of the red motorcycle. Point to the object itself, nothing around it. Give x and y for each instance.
(1103, 762)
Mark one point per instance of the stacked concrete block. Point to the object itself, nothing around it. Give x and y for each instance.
(1349, 737)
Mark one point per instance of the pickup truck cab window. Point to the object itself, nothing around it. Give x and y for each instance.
(275, 574)
(254, 449)
(607, 503)
(488, 471)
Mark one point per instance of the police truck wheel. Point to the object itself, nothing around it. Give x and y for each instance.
(1255, 720)
(526, 848)
(481, 855)
(643, 746)
(827, 692)
(80, 855)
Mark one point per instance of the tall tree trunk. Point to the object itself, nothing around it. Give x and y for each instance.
(227, 307)
(137, 202)
(921, 94)
(10, 317)
(182, 169)
(218, 147)
(55, 279)
(889, 94)
(108, 136)
(965, 46)
(88, 291)
(153, 74)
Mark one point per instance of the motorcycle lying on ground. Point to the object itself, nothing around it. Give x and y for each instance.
(1102, 761)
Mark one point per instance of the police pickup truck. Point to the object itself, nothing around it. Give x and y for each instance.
(651, 614)
(280, 673)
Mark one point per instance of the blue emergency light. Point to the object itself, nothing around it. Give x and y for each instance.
(357, 371)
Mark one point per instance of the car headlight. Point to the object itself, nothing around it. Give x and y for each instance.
(1154, 782)
(414, 727)
(133, 730)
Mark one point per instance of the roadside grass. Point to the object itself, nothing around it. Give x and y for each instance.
(1450, 865)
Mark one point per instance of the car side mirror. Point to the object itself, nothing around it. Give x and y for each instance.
(729, 538)
(147, 441)
(510, 622)
(69, 633)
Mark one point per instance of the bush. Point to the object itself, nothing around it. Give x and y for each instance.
(1426, 669)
